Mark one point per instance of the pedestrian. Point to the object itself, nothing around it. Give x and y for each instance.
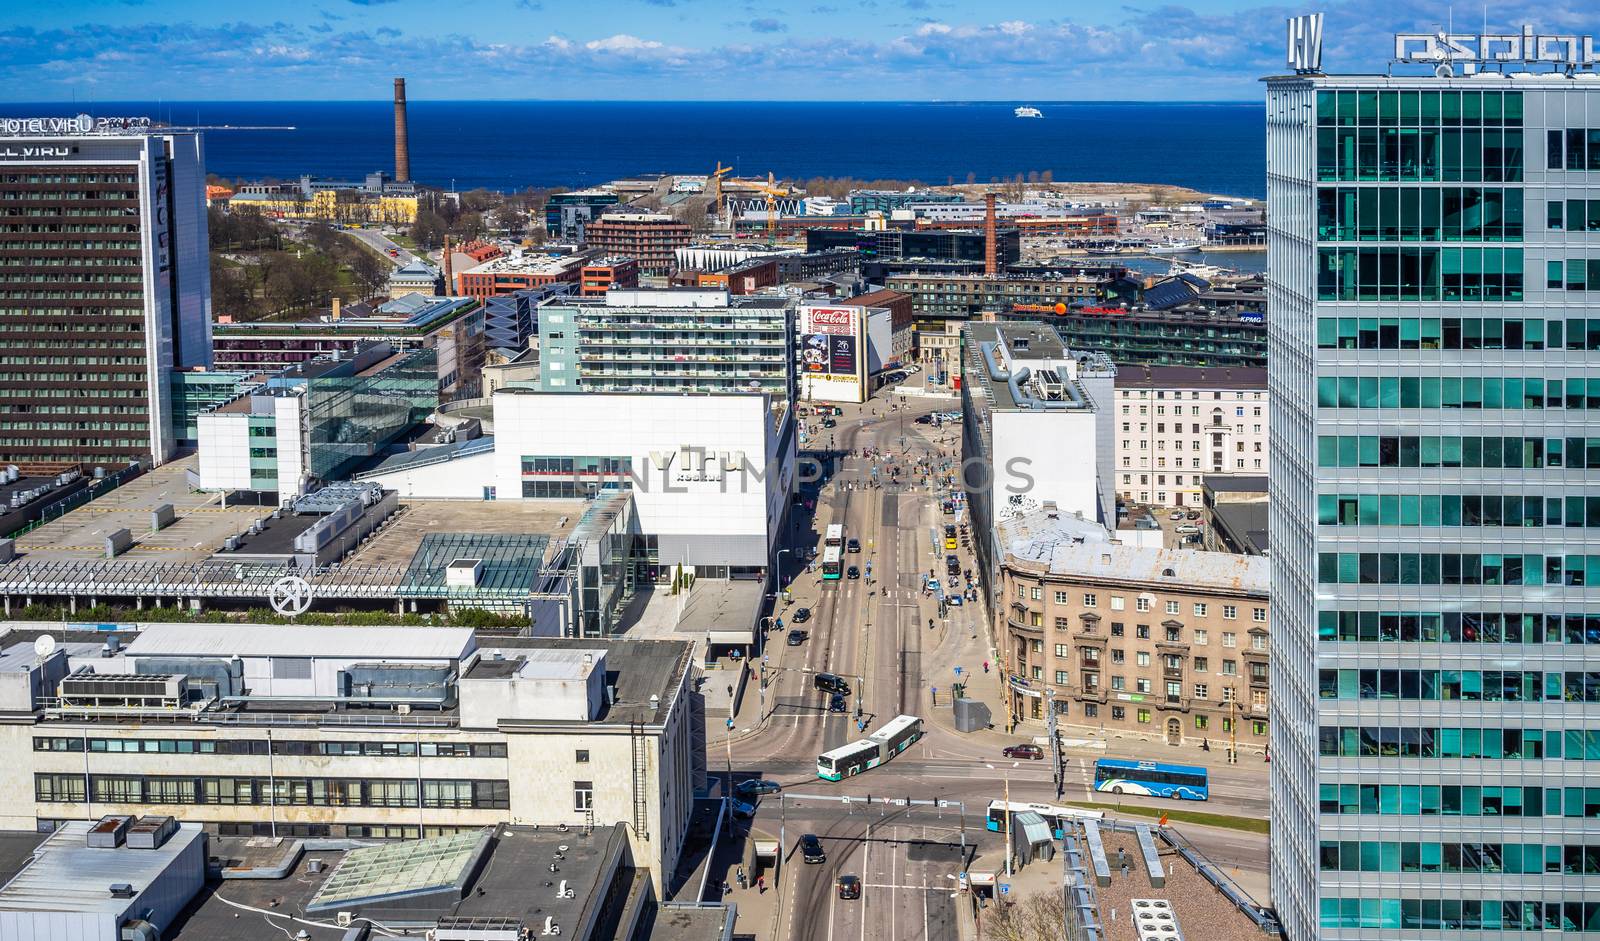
(986, 666)
(742, 882)
(1124, 870)
(761, 884)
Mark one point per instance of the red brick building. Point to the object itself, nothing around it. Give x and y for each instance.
(507, 274)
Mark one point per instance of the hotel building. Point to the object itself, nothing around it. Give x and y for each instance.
(105, 288)
(1433, 348)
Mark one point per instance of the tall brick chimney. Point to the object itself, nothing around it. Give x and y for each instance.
(991, 266)
(402, 143)
(449, 268)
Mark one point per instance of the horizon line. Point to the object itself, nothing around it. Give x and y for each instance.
(74, 102)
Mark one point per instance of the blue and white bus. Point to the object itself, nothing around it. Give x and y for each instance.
(1151, 779)
(1057, 817)
(896, 736)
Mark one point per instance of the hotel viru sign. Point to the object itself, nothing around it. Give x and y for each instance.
(79, 124)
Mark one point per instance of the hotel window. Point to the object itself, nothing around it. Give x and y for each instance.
(1118, 683)
(1117, 604)
(1061, 597)
(1258, 727)
(1144, 716)
(1199, 609)
(1201, 637)
(1063, 624)
(1117, 656)
(1202, 664)
(1258, 698)
(1061, 677)
(1141, 685)
(1201, 722)
(1258, 615)
(1141, 603)
(1142, 631)
(1258, 642)
(1035, 593)
(1230, 668)
(1061, 650)
(1229, 639)
(1089, 600)
(1172, 607)
(1200, 691)
(1118, 713)
(1230, 612)
(1141, 658)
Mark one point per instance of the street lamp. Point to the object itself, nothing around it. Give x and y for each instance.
(1006, 774)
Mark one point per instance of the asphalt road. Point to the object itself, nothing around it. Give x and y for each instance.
(876, 632)
(382, 244)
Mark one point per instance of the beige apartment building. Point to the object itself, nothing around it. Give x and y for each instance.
(1169, 644)
(1177, 425)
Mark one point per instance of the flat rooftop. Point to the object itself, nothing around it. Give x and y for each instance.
(1190, 569)
(504, 883)
(1192, 377)
(1201, 911)
(202, 523)
(403, 534)
(638, 668)
(67, 875)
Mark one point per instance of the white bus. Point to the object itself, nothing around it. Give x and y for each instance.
(847, 760)
(897, 735)
(832, 562)
(834, 537)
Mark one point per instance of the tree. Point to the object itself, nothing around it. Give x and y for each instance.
(429, 229)
(1039, 917)
(370, 272)
(231, 291)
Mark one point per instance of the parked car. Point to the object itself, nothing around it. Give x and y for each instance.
(800, 616)
(754, 787)
(1031, 752)
(836, 703)
(849, 887)
(953, 599)
(1175, 515)
(1188, 529)
(1194, 514)
(741, 809)
(852, 545)
(924, 419)
(811, 849)
(797, 637)
(853, 572)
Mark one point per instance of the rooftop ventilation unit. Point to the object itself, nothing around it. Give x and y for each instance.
(151, 832)
(108, 832)
(480, 928)
(1155, 920)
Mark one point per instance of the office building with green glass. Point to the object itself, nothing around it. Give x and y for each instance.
(1433, 348)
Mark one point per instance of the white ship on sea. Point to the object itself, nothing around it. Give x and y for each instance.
(1181, 247)
(1028, 111)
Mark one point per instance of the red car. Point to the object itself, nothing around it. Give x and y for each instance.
(1032, 752)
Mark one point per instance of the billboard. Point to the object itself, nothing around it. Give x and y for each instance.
(832, 353)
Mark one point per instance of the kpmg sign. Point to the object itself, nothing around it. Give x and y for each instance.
(66, 127)
(1495, 47)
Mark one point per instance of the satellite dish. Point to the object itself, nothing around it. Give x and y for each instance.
(44, 646)
(1444, 70)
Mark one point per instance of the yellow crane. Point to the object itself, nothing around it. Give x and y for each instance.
(716, 186)
(772, 193)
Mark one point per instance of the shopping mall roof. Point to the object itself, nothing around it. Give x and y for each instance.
(510, 563)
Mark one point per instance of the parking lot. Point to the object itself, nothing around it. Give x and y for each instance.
(1171, 537)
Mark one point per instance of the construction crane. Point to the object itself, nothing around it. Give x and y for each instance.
(772, 193)
(716, 185)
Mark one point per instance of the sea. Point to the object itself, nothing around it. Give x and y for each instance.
(512, 145)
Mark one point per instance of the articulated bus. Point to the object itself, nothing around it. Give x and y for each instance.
(868, 753)
(831, 562)
(1151, 779)
(1057, 817)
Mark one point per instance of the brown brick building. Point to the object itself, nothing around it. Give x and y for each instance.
(650, 237)
(1170, 644)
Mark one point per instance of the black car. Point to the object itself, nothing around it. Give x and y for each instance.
(811, 849)
(800, 616)
(829, 683)
(853, 572)
(924, 419)
(755, 787)
(836, 703)
(849, 887)
(797, 637)
(852, 545)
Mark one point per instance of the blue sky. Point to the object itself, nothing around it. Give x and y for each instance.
(64, 50)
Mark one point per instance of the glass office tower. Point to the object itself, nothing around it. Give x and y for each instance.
(1434, 333)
